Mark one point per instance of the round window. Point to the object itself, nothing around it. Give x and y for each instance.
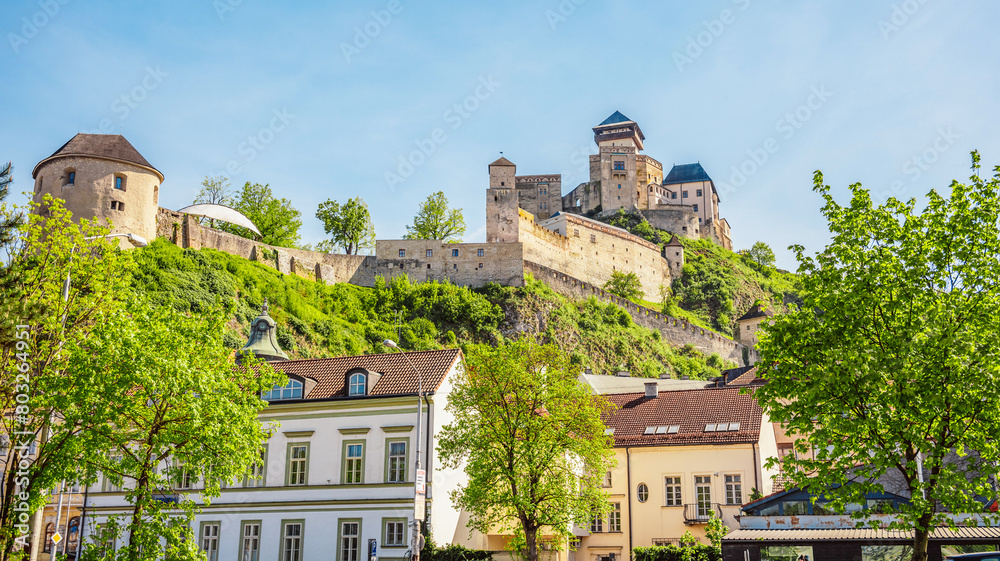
(643, 492)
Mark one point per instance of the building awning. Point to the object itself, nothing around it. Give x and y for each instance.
(963, 533)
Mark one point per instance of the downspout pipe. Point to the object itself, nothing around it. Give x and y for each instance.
(628, 481)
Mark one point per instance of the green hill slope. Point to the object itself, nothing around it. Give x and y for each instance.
(316, 320)
(717, 285)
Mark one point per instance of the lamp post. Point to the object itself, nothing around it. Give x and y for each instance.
(38, 516)
(418, 486)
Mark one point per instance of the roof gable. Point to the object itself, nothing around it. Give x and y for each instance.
(615, 118)
(501, 161)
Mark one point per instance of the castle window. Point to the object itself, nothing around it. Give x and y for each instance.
(576, 233)
(402, 253)
(69, 176)
(619, 164)
(454, 253)
(673, 195)
(480, 265)
(480, 252)
(117, 205)
(684, 195)
(455, 267)
(650, 188)
(430, 253)
(697, 193)
(428, 265)
(619, 185)
(120, 182)
(593, 238)
(696, 208)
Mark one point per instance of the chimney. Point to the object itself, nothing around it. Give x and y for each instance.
(650, 390)
(624, 373)
(665, 376)
(685, 377)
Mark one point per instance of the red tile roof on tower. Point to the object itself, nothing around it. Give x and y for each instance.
(109, 146)
(398, 377)
(690, 411)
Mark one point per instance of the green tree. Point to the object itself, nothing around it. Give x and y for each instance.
(276, 219)
(760, 254)
(624, 285)
(435, 221)
(39, 328)
(525, 430)
(892, 358)
(214, 191)
(183, 417)
(349, 226)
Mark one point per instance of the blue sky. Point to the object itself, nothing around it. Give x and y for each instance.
(325, 99)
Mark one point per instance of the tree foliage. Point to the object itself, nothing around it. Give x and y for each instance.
(526, 431)
(624, 285)
(348, 225)
(181, 412)
(276, 219)
(435, 221)
(761, 255)
(40, 328)
(9, 222)
(893, 357)
(214, 191)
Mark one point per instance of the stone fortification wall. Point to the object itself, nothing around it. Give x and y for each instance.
(678, 219)
(464, 264)
(185, 231)
(676, 331)
(591, 251)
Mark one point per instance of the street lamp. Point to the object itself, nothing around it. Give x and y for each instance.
(417, 491)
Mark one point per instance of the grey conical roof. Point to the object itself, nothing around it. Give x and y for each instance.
(263, 342)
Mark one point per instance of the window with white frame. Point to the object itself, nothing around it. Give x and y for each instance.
(349, 536)
(291, 541)
(597, 525)
(354, 456)
(210, 540)
(250, 541)
(615, 518)
(643, 492)
(397, 462)
(298, 458)
(358, 383)
(703, 494)
(734, 489)
(255, 476)
(672, 491)
(395, 533)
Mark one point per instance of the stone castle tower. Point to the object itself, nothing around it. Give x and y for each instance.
(502, 203)
(103, 177)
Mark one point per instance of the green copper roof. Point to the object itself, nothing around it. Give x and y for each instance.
(263, 341)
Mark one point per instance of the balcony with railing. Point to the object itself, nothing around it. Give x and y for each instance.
(700, 513)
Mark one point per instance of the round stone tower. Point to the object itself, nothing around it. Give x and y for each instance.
(102, 176)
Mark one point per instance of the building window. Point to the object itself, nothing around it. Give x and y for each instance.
(69, 176)
(357, 384)
(684, 194)
(350, 532)
(117, 205)
(454, 253)
(782, 552)
(619, 185)
(298, 463)
(619, 164)
(597, 525)
(430, 253)
(480, 252)
(255, 477)
(697, 193)
(291, 540)
(734, 490)
(396, 461)
(672, 491)
(480, 265)
(250, 542)
(696, 208)
(50, 530)
(615, 518)
(673, 195)
(291, 390)
(703, 495)
(394, 533)
(120, 182)
(354, 462)
(643, 492)
(183, 477)
(210, 540)
(576, 232)
(402, 253)
(607, 480)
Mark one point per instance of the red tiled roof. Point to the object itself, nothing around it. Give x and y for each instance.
(691, 410)
(398, 377)
(111, 146)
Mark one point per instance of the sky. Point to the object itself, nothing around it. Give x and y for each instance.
(392, 100)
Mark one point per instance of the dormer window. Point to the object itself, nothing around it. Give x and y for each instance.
(357, 384)
(292, 390)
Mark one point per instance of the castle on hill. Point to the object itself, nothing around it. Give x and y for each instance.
(532, 229)
(684, 201)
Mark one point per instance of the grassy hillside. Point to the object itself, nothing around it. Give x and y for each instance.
(316, 320)
(717, 285)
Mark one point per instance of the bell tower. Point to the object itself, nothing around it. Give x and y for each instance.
(263, 342)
